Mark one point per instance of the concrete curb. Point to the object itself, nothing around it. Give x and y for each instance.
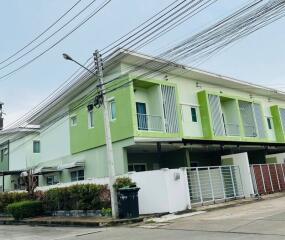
(72, 222)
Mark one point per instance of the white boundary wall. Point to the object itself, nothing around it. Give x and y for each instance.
(161, 191)
(241, 160)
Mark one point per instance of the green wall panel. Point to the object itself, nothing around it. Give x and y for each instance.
(278, 128)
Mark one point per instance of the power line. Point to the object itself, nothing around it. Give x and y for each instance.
(57, 42)
(41, 34)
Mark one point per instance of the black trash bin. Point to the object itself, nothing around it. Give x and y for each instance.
(128, 202)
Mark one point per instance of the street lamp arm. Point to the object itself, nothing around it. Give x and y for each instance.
(67, 57)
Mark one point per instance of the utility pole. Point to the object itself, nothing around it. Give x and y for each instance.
(109, 148)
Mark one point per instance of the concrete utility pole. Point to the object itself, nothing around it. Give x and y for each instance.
(101, 98)
(108, 139)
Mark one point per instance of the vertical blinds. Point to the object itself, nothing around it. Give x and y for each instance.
(216, 113)
(170, 109)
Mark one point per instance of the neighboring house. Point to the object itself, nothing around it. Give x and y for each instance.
(185, 117)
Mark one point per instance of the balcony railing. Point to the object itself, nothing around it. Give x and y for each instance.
(232, 129)
(249, 130)
(149, 122)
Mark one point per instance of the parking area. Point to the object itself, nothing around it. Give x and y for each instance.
(259, 220)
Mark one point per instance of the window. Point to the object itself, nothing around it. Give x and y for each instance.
(77, 175)
(91, 119)
(113, 111)
(36, 147)
(52, 180)
(137, 167)
(194, 114)
(269, 123)
(4, 154)
(73, 121)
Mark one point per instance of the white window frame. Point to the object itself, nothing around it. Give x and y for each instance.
(91, 120)
(71, 120)
(53, 176)
(77, 175)
(110, 101)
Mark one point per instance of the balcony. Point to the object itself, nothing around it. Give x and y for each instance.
(232, 129)
(148, 122)
(250, 130)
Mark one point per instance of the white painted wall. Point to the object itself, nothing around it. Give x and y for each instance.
(162, 190)
(21, 153)
(241, 160)
(280, 157)
(55, 140)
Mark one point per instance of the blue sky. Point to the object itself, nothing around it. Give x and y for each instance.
(259, 58)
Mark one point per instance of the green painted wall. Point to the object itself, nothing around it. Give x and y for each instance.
(205, 115)
(227, 161)
(271, 160)
(83, 138)
(277, 123)
(207, 119)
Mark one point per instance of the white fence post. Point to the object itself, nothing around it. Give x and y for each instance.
(233, 184)
(270, 177)
(222, 182)
(199, 185)
(277, 176)
(211, 184)
(261, 170)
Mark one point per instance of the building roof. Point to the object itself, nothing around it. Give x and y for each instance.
(135, 58)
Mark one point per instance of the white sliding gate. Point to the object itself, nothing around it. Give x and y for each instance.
(208, 185)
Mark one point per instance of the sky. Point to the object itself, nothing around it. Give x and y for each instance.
(258, 58)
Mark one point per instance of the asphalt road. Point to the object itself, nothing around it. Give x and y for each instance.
(259, 220)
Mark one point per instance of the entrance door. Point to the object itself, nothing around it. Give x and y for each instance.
(141, 116)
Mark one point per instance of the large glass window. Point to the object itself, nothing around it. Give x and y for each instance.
(77, 175)
(36, 147)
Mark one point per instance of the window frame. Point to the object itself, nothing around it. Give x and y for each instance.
(39, 146)
(91, 119)
(112, 102)
(193, 110)
(77, 177)
(52, 177)
(269, 123)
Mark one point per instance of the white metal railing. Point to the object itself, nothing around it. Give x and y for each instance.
(148, 122)
(232, 129)
(214, 184)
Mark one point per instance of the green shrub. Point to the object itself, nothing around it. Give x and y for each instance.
(7, 198)
(106, 212)
(122, 182)
(77, 197)
(25, 209)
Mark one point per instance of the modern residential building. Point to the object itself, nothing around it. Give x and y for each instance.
(173, 117)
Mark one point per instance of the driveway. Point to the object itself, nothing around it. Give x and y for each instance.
(259, 220)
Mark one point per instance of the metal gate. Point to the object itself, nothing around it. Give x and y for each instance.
(208, 185)
(268, 178)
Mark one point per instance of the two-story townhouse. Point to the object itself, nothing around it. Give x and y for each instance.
(19, 149)
(166, 119)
